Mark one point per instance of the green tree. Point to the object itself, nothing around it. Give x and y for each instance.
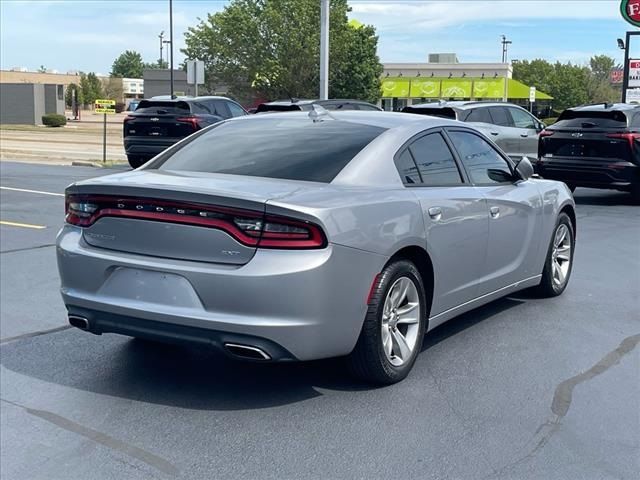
(272, 48)
(113, 89)
(42, 69)
(68, 95)
(91, 88)
(129, 64)
(156, 65)
(601, 66)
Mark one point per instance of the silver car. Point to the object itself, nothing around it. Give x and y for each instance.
(510, 126)
(304, 236)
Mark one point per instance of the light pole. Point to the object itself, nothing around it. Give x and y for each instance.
(171, 45)
(167, 42)
(324, 49)
(625, 46)
(505, 48)
(161, 36)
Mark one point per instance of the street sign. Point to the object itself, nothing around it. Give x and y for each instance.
(195, 72)
(630, 10)
(634, 73)
(532, 94)
(108, 111)
(105, 102)
(633, 95)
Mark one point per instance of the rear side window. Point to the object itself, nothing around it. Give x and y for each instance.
(500, 116)
(407, 169)
(159, 107)
(268, 146)
(479, 115)
(591, 119)
(434, 161)
(449, 113)
(200, 107)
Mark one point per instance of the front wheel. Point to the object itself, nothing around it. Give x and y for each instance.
(394, 327)
(559, 262)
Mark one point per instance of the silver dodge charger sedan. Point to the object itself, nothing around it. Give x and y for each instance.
(309, 235)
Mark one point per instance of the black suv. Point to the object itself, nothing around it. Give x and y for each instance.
(593, 146)
(306, 105)
(159, 123)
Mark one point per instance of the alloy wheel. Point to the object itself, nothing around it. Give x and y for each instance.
(401, 321)
(561, 255)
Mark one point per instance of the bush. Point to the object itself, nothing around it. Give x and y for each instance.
(54, 120)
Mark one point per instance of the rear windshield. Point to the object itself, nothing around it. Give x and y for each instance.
(160, 107)
(591, 119)
(434, 112)
(263, 107)
(292, 149)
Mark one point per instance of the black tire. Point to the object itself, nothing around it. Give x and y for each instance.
(548, 287)
(136, 160)
(368, 361)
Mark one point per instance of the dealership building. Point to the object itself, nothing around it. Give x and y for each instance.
(442, 77)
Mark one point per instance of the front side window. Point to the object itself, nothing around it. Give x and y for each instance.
(273, 147)
(522, 119)
(482, 162)
(434, 161)
(236, 110)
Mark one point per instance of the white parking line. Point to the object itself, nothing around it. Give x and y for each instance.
(32, 191)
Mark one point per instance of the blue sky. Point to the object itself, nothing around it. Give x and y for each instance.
(88, 35)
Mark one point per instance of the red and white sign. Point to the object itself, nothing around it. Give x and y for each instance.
(616, 75)
(630, 10)
(634, 73)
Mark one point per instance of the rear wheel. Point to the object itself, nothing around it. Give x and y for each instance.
(559, 262)
(394, 327)
(136, 160)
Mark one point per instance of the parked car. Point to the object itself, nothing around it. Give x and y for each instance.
(307, 105)
(158, 123)
(594, 146)
(511, 127)
(303, 236)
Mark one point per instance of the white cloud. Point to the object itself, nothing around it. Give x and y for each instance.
(437, 15)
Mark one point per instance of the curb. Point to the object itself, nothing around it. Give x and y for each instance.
(82, 163)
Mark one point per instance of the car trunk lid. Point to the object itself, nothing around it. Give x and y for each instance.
(186, 215)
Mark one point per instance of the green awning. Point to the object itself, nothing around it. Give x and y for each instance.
(435, 87)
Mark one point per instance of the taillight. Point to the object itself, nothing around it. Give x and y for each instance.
(546, 133)
(193, 121)
(248, 227)
(629, 137)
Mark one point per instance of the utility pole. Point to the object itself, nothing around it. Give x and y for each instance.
(324, 49)
(505, 48)
(161, 36)
(171, 44)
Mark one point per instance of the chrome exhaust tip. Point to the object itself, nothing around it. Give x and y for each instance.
(247, 352)
(79, 322)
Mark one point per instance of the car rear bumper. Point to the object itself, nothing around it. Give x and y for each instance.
(147, 146)
(619, 175)
(300, 305)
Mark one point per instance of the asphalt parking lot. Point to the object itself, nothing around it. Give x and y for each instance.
(523, 388)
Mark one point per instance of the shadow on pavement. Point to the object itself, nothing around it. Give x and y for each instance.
(590, 196)
(193, 378)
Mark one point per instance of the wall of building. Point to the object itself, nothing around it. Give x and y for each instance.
(39, 103)
(17, 103)
(54, 99)
(157, 82)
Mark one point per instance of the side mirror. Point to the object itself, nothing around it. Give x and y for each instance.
(541, 126)
(524, 169)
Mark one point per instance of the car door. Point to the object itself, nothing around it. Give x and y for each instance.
(528, 127)
(455, 217)
(514, 211)
(503, 133)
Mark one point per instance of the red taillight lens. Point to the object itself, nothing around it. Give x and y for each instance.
(248, 227)
(193, 121)
(629, 137)
(546, 133)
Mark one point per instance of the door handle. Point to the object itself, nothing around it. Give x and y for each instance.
(435, 213)
(495, 212)
(494, 133)
(524, 135)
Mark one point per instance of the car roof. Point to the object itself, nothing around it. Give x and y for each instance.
(604, 107)
(311, 101)
(168, 98)
(462, 104)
